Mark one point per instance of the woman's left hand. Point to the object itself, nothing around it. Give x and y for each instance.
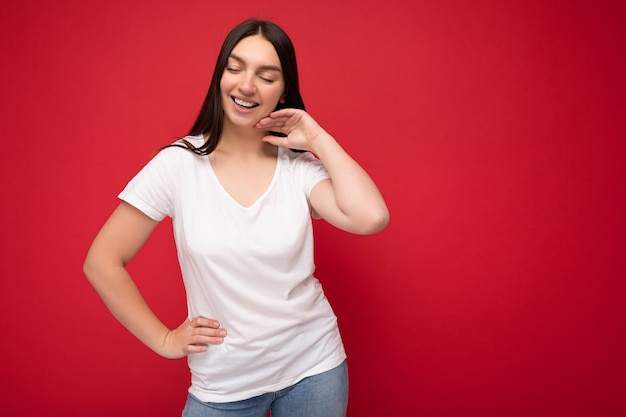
(301, 129)
(348, 200)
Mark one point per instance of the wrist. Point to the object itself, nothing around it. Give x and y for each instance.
(166, 347)
(321, 143)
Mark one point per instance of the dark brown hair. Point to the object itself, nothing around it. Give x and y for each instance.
(211, 117)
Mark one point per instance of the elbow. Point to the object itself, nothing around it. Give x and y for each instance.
(376, 222)
(94, 268)
(89, 269)
(380, 221)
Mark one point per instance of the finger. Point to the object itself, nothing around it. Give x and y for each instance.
(207, 340)
(283, 113)
(205, 322)
(267, 124)
(197, 348)
(209, 332)
(276, 140)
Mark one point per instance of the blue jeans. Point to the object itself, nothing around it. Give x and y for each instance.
(322, 395)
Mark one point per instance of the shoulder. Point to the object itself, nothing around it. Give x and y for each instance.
(303, 168)
(179, 151)
(296, 158)
(173, 160)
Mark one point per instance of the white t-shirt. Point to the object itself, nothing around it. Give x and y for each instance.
(250, 268)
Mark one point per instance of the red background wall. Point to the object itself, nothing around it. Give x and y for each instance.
(495, 129)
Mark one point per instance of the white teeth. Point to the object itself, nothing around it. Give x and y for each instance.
(243, 103)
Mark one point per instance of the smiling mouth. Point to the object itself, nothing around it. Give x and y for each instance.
(243, 103)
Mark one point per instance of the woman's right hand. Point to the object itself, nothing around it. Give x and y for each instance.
(121, 237)
(192, 337)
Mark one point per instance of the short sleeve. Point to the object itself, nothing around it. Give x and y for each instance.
(313, 171)
(151, 190)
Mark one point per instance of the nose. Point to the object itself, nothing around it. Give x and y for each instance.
(247, 85)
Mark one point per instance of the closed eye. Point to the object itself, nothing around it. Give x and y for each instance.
(233, 70)
(267, 79)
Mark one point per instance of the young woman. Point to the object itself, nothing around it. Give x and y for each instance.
(260, 333)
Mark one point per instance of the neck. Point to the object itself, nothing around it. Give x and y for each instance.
(243, 140)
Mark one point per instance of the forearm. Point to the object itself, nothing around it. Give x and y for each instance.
(123, 299)
(351, 201)
(355, 192)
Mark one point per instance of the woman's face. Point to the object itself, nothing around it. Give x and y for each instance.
(252, 83)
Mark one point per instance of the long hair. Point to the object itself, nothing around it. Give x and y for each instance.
(210, 119)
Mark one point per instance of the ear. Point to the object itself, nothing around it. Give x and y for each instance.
(282, 99)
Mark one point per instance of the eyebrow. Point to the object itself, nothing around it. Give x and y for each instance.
(263, 67)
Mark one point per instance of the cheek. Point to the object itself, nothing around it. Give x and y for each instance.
(223, 93)
(225, 90)
(226, 83)
(276, 94)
